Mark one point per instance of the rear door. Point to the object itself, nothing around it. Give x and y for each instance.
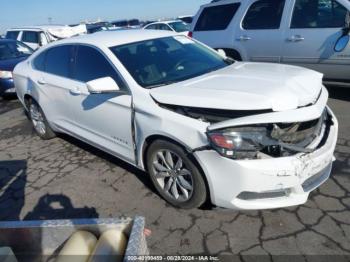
(215, 24)
(314, 29)
(52, 78)
(260, 35)
(104, 119)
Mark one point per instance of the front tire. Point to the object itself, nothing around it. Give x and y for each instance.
(39, 121)
(175, 176)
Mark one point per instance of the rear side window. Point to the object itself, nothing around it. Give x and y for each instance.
(30, 37)
(318, 14)
(264, 14)
(58, 61)
(39, 62)
(90, 65)
(12, 35)
(216, 17)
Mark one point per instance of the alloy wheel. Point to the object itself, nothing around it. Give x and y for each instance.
(172, 175)
(37, 119)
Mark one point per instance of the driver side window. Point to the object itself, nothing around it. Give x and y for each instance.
(318, 14)
(90, 65)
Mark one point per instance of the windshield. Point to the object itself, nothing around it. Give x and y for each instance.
(180, 26)
(167, 60)
(10, 50)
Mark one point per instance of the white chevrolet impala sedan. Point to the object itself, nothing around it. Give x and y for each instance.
(204, 127)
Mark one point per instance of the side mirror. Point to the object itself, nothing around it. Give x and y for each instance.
(222, 53)
(102, 85)
(341, 43)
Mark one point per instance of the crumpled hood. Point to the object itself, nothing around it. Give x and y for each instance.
(246, 86)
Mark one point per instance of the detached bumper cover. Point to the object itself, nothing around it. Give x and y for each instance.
(267, 183)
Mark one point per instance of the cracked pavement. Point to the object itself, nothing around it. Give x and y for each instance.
(65, 178)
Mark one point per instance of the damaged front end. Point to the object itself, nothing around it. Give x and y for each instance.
(244, 139)
(271, 140)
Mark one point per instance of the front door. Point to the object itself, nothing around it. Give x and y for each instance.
(261, 31)
(103, 119)
(31, 38)
(314, 29)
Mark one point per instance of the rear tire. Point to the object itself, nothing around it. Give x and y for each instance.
(39, 121)
(175, 176)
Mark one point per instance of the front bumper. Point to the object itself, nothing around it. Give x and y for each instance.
(267, 183)
(7, 86)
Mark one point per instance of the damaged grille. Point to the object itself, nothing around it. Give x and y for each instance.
(298, 137)
(299, 134)
(296, 132)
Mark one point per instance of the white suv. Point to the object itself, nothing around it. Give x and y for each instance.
(38, 36)
(298, 32)
(244, 135)
(33, 37)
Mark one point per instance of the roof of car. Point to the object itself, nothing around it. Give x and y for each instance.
(165, 22)
(120, 37)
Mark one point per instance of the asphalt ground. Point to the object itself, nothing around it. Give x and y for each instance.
(65, 178)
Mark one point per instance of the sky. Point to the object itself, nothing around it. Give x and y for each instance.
(16, 13)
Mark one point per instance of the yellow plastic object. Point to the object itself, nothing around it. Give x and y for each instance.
(78, 248)
(111, 246)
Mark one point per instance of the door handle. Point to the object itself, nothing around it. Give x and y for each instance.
(41, 81)
(296, 38)
(75, 91)
(244, 38)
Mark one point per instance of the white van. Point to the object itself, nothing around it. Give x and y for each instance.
(310, 33)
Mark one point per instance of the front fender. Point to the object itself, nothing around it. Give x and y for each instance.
(188, 132)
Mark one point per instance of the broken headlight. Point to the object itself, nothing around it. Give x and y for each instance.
(238, 143)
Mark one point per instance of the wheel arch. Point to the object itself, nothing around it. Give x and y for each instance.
(233, 53)
(26, 99)
(152, 138)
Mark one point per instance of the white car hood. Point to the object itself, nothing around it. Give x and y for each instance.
(245, 86)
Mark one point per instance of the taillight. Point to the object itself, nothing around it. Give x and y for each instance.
(190, 34)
